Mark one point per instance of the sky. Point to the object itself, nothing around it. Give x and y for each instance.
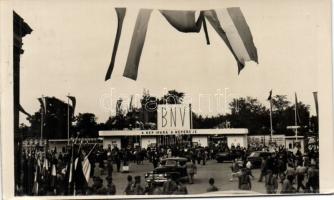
(70, 48)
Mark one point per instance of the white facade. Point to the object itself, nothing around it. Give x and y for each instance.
(200, 136)
(237, 140)
(290, 141)
(201, 140)
(146, 141)
(113, 141)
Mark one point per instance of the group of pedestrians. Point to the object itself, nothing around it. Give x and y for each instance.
(78, 170)
(295, 172)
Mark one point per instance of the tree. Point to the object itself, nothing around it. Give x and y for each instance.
(284, 115)
(173, 97)
(280, 103)
(249, 113)
(86, 125)
(55, 120)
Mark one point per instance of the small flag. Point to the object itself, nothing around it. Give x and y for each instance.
(70, 174)
(270, 93)
(73, 102)
(43, 104)
(86, 167)
(130, 105)
(296, 104)
(231, 26)
(23, 111)
(315, 95)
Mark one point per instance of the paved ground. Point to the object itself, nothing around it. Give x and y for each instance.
(221, 172)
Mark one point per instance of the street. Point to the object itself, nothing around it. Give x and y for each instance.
(221, 172)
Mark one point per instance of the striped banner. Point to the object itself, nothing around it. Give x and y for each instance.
(120, 18)
(232, 27)
(137, 44)
(229, 23)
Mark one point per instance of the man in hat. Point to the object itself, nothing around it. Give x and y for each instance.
(129, 189)
(191, 170)
(181, 188)
(138, 188)
(98, 187)
(212, 187)
(271, 182)
(111, 188)
(109, 161)
(244, 180)
(170, 186)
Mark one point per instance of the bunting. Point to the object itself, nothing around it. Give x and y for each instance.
(120, 18)
(137, 44)
(229, 23)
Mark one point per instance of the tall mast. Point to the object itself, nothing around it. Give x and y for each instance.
(68, 119)
(42, 117)
(296, 129)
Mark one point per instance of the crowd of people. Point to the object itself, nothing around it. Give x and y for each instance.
(79, 169)
(296, 172)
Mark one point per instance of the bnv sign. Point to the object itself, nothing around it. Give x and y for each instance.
(176, 116)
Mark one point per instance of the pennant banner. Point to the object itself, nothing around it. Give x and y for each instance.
(229, 23)
(23, 111)
(43, 104)
(73, 99)
(183, 21)
(137, 43)
(270, 93)
(315, 95)
(120, 18)
(86, 167)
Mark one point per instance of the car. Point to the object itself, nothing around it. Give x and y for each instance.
(256, 158)
(169, 167)
(224, 156)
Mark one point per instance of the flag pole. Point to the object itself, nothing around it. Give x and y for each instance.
(68, 120)
(271, 120)
(42, 118)
(296, 130)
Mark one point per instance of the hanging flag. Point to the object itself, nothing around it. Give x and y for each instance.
(73, 99)
(270, 93)
(296, 105)
(23, 111)
(42, 101)
(70, 174)
(231, 25)
(137, 44)
(315, 95)
(120, 18)
(130, 104)
(183, 21)
(118, 107)
(86, 167)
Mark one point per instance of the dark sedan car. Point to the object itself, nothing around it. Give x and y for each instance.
(170, 167)
(256, 158)
(224, 156)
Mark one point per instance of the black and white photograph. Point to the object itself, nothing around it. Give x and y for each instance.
(167, 99)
